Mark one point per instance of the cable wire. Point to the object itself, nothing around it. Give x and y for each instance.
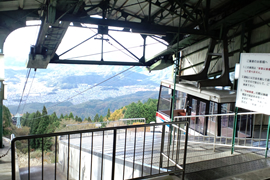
(87, 89)
(27, 76)
(29, 91)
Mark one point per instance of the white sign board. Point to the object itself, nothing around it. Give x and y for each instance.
(253, 91)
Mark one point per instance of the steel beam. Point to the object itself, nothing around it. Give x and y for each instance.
(161, 64)
(86, 62)
(249, 11)
(143, 28)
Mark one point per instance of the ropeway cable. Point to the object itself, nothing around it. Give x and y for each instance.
(29, 91)
(27, 76)
(87, 89)
(125, 71)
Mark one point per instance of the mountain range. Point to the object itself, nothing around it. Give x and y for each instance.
(84, 90)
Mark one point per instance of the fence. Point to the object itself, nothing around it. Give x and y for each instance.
(125, 152)
(248, 130)
(120, 122)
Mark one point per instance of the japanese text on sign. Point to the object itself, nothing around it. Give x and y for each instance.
(253, 91)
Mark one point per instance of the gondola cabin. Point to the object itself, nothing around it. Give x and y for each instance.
(190, 100)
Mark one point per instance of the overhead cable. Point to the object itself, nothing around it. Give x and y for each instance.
(27, 76)
(87, 89)
(29, 91)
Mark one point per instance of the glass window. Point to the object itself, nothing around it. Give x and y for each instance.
(180, 100)
(227, 121)
(165, 100)
(202, 109)
(213, 109)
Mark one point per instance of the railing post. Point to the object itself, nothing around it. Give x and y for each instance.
(234, 129)
(185, 151)
(13, 160)
(267, 138)
(162, 146)
(114, 152)
(215, 133)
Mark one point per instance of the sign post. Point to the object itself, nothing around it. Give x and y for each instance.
(253, 91)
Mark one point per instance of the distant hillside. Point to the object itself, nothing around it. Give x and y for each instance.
(89, 108)
(61, 82)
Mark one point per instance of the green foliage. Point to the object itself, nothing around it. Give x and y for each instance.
(79, 119)
(41, 123)
(61, 116)
(140, 110)
(66, 116)
(96, 118)
(6, 121)
(71, 116)
(44, 111)
(89, 108)
(108, 113)
(100, 118)
(89, 119)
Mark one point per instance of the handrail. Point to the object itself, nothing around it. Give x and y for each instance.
(114, 158)
(214, 115)
(244, 132)
(104, 122)
(93, 130)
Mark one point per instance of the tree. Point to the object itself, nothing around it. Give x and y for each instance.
(108, 113)
(24, 119)
(35, 122)
(96, 118)
(62, 116)
(43, 124)
(44, 111)
(140, 110)
(89, 119)
(132, 111)
(79, 119)
(117, 114)
(6, 121)
(71, 116)
(34, 143)
(76, 118)
(100, 118)
(66, 116)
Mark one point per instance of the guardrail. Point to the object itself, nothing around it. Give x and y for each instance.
(248, 130)
(136, 152)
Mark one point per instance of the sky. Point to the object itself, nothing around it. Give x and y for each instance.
(18, 43)
(17, 46)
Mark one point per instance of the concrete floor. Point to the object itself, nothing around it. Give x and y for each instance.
(36, 173)
(5, 162)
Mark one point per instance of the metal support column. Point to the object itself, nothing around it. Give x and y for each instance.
(1, 112)
(267, 138)
(1, 97)
(176, 73)
(234, 128)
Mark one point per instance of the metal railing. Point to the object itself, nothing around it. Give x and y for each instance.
(250, 130)
(120, 122)
(126, 152)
